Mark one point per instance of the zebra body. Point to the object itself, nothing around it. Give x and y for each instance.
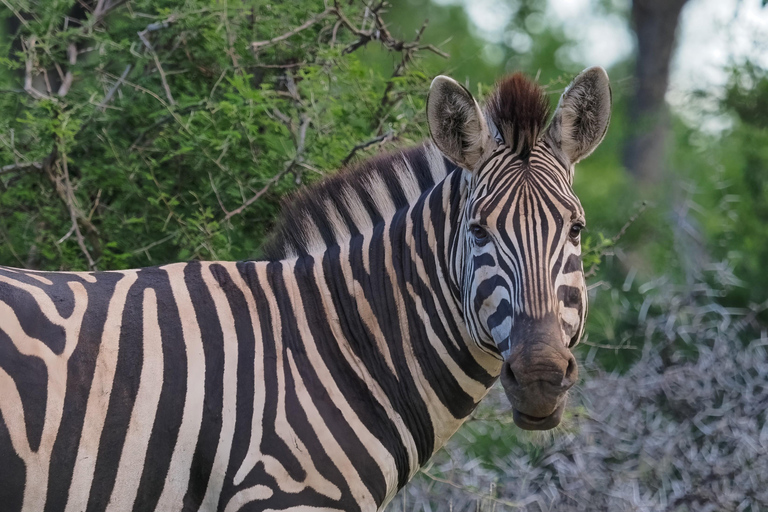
(321, 379)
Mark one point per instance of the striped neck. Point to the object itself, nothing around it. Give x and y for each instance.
(388, 305)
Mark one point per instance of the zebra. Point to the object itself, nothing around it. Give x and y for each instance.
(392, 296)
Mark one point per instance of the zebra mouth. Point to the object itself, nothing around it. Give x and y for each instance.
(528, 422)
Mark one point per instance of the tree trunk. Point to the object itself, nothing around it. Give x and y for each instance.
(655, 22)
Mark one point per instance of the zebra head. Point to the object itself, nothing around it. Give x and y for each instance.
(517, 254)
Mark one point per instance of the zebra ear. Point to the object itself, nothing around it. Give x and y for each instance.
(457, 124)
(582, 116)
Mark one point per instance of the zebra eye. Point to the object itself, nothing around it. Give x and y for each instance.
(480, 234)
(575, 231)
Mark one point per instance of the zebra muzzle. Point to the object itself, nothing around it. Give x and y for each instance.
(536, 376)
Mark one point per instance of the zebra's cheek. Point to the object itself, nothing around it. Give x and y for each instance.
(500, 324)
(570, 320)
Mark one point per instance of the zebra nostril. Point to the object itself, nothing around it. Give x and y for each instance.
(571, 372)
(509, 375)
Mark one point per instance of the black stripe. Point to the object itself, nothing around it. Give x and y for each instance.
(442, 381)
(170, 408)
(30, 376)
(31, 317)
(572, 264)
(344, 434)
(12, 471)
(431, 292)
(213, 350)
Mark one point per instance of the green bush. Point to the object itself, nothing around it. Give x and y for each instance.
(173, 123)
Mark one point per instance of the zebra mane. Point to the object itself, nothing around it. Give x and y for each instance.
(354, 200)
(519, 108)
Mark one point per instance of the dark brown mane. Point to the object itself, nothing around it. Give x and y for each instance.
(519, 109)
(354, 200)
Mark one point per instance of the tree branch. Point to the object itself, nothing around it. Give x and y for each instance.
(607, 244)
(20, 167)
(143, 37)
(258, 45)
(288, 168)
(29, 46)
(63, 187)
(66, 82)
(381, 138)
(115, 87)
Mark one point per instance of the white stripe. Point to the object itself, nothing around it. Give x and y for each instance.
(229, 386)
(144, 409)
(177, 479)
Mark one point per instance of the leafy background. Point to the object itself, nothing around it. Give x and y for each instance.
(138, 132)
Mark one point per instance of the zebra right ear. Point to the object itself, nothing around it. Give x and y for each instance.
(582, 116)
(457, 124)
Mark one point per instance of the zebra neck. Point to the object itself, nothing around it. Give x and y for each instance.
(386, 305)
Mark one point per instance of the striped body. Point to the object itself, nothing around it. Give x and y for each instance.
(322, 379)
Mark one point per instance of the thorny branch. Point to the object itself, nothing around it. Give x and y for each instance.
(143, 36)
(57, 170)
(603, 248)
(257, 45)
(381, 138)
(289, 166)
(379, 32)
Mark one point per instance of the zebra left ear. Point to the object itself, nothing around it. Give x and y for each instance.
(582, 116)
(456, 123)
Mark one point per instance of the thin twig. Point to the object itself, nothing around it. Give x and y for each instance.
(257, 45)
(278, 66)
(288, 168)
(143, 36)
(603, 248)
(115, 87)
(610, 347)
(155, 243)
(632, 219)
(63, 187)
(21, 167)
(363, 145)
(261, 192)
(16, 13)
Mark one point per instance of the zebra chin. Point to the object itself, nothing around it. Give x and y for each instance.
(537, 373)
(537, 404)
